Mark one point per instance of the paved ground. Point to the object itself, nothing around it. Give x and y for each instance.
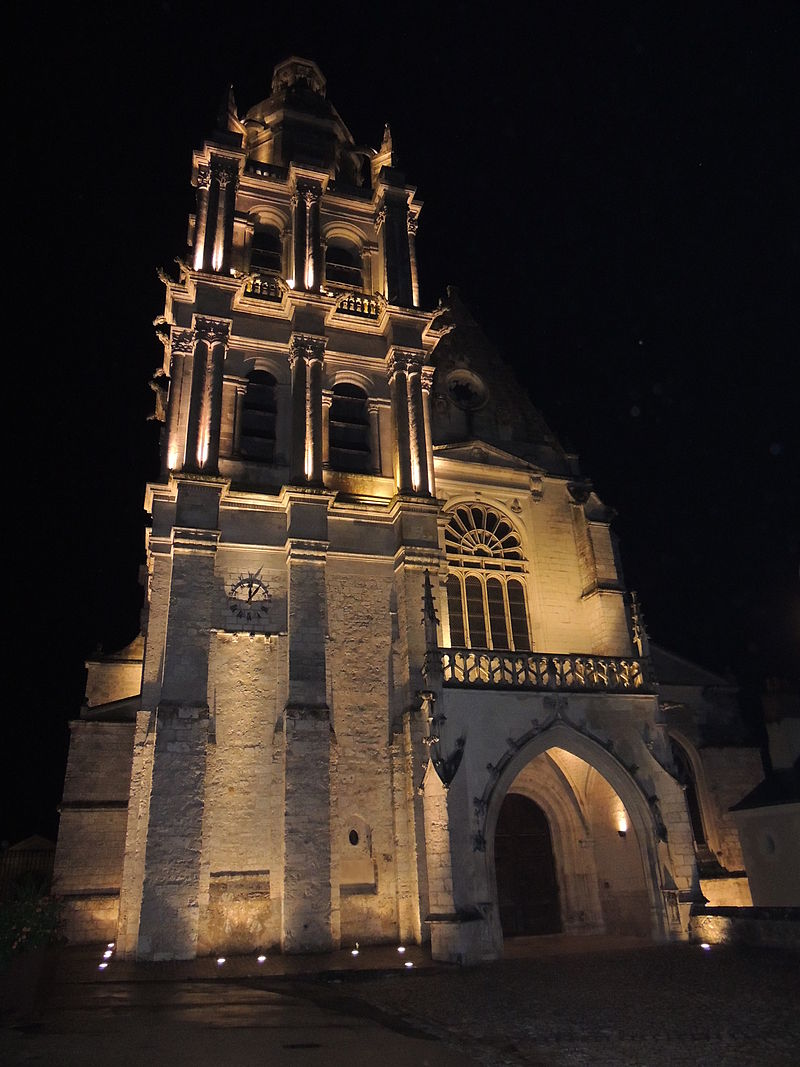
(559, 1001)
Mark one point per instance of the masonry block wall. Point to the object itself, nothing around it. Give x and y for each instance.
(91, 840)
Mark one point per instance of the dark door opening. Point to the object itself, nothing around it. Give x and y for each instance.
(527, 889)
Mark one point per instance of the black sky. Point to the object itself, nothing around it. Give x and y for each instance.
(613, 190)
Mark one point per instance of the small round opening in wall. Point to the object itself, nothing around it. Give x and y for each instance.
(466, 390)
(352, 837)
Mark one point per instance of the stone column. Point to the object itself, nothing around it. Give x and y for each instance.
(327, 400)
(201, 219)
(416, 425)
(196, 396)
(374, 409)
(298, 241)
(238, 412)
(314, 419)
(313, 259)
(369, 260)
(297, 363)
(182, 347)
(398, 385)
(224, 180)
(306, 354)
(427, 389)
(205, 406)
(412, 255)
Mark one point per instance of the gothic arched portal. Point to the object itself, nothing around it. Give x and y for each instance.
(569, 848)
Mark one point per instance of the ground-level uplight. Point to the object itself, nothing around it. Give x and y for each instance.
(220, 960)
(108, 954)
(705, 946)
(401, 949)
(261, 959)
(354, 951)
(408, 963)
(102, 966)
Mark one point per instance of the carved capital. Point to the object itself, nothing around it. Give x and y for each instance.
(224, 171)
(427, 379)
(380, 218)
(182, 342)
(310, 196)
(400, 362)
(308, 347)
(203, 177)
(212, 331)
(412, 222)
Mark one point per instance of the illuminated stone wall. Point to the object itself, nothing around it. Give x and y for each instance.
(295, 772)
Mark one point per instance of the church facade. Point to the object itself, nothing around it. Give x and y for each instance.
(390, 686)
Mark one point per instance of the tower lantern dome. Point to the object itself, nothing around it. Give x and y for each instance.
(297, 71)
(297, 123)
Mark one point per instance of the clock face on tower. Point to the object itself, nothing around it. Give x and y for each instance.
(249, 598)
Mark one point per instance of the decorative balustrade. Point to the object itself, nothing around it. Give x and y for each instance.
(358, 304)
(264, 287)
(476, 669)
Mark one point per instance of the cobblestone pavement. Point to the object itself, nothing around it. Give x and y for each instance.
(560, 1001)
(641, 1005)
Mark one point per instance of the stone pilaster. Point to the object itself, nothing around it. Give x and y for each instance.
(427, 389)
(374, 410)
(306, 355)
(220, 213)
(201, 218)
(411, 451)
(171, 890)
(412, 254)
(205, 399)
(392, 220)
(181, 351)
(307, 898)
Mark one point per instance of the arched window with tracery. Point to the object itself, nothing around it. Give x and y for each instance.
(486, 597)
(349, 429)
(259, 415)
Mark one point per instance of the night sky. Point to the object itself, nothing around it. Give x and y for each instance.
(613, 194)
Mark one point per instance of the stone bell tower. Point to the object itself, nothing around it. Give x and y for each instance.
(387, 642)
(298, 367)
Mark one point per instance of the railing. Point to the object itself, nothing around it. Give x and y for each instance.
(470, 668)
(358, 304)
(265, 170)
(263, 287)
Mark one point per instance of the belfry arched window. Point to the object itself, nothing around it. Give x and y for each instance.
(486, 598)
(349, 429)
(343, 266)
(259, 414)
(265, 252)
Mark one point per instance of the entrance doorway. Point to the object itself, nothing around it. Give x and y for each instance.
(527, 888)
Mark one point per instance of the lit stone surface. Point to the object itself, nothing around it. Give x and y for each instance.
(290, 765)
